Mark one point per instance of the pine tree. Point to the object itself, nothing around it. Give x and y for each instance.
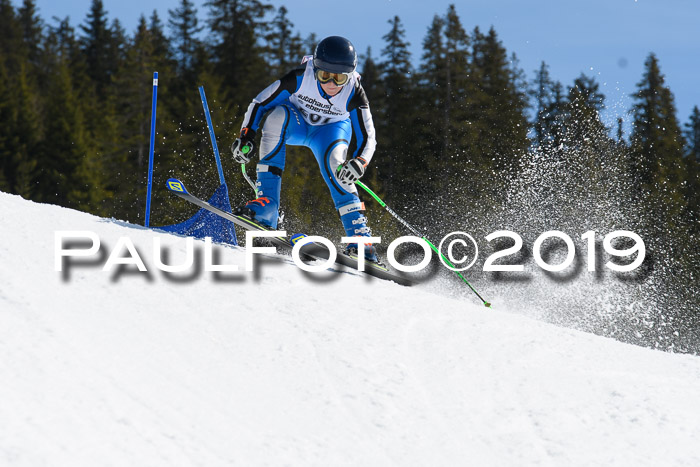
(396, 66)
(103, 49)
(190, 61)
(620, 133)
(432, 74)
(370, 77)
(662, 183)
(542, 93)
(161, 45)
(374, 89)
(131, 101)
(692, 135)
(499, 105)
(134, 97)
(63, 44)
(9, 136)
(309, 44)
(71, 174)
(20, 106)
(10, 36)
(97, 45)
(447, 127)
(10, 43)
(431, 134)
(582, 120)
(692, 168)
(184, 26)
(236, 27)
(657, 145)
(550, 109)
(394, 116)
(284, 48)
(587, 147)
(27, 128)
(457, 89)
(116, 46)
(442, 130)
(32, 29)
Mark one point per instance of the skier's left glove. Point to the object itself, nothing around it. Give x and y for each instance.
(351, 170)
(243, 147)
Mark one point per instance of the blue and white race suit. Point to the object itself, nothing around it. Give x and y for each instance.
(300, 113)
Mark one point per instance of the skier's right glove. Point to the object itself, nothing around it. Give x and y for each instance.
(243, 147)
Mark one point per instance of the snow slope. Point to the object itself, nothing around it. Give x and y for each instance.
(279, 368)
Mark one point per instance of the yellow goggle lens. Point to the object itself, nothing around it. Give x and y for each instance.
(325, 76)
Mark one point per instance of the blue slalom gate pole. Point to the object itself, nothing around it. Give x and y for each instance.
(150, 153)
(211, 135)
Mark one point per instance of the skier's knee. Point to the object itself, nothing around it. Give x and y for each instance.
(274, 125)
(335, 159)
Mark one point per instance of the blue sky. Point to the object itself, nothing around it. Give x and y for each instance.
(608, 39)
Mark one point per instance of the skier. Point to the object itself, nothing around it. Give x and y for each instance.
(317, 105)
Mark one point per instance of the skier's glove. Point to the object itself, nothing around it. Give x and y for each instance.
(243, 147)
(351, 170)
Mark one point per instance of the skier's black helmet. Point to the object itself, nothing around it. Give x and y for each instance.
(335, 54)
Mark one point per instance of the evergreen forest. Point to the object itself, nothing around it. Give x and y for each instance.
(467, 140)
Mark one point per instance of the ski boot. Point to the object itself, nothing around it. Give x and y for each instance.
(265, 208)
(370, 253)
(355, 224)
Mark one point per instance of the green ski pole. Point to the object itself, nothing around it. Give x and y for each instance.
(418, 234)
(248, 179)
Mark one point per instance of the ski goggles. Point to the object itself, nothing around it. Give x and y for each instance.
(340, 79)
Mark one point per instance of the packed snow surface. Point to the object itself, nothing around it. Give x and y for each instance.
(281, 367)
